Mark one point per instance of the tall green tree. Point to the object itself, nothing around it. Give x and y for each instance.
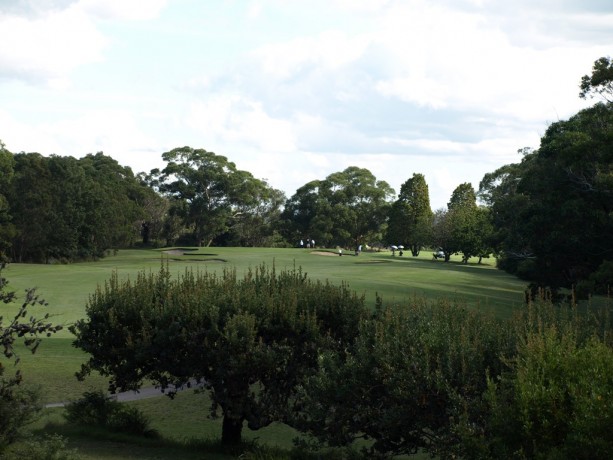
(7, 165)
(442, 233)
(257, 222)
(360, 205)
(67, 209)
(31, 206)
(347, 208)
(570, 213)
(464, 220)
(308, 214)
(249, 341)
(410, 220)
(600, 82)
(114, 205)
(207, 191)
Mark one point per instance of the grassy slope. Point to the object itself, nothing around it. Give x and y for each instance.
(67, 287)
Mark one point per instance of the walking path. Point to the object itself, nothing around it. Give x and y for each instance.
(143, 393)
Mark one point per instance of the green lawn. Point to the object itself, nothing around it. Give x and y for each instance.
(394, 278)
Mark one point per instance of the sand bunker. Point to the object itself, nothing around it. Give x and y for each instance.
(324, 253)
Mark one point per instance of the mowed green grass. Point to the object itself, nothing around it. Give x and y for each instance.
(396, 279)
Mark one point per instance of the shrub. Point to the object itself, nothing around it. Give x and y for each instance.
(52, 447)
(19, 405)
(98, 410)
(554, 398)
(413, 372)
(603, 278)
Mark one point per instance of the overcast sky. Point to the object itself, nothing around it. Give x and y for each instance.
(295, 90)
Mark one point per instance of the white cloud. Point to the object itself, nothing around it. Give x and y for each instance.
(240, 121)
(49, 47)
(447, 88)
(133, 10)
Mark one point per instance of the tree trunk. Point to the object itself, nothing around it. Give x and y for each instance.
(231, 431)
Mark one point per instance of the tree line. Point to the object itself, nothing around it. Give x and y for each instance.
(547, 219)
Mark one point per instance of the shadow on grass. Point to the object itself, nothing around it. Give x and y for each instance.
(98, 443)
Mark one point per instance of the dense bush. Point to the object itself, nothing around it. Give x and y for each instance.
(456, 383)
(553, 399)
(19, 405)
(52, 447)
(98, 410)
(413, 372)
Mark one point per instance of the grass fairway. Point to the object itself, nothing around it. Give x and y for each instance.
(396, 279)
(67, 287)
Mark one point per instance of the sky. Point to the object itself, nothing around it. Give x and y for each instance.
(293, 91)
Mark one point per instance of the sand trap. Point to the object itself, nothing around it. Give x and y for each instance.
(324, 253)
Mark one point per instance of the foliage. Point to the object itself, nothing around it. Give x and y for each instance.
(347, 208)
(603, 278)
(600, 82)
(18, 405)
(213, 197)
(553, 210)
(65, 209)
(6, 175)
(249, 341)
(413, 370)
(553, 400)
(98, 410)
(410, 218)
(52, 447)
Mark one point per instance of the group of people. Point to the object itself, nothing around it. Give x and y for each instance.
(309, 243)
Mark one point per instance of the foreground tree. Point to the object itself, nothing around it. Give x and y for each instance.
(553, 398)
(18, 405)
(250, 342)
(414, 372)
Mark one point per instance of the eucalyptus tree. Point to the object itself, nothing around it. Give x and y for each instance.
(257, 221)
(31, 206)
(410, 218)
(506, 204)
(207, 191)
(67, 209)
(600, 82)
(307, 213)
(346, 208)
